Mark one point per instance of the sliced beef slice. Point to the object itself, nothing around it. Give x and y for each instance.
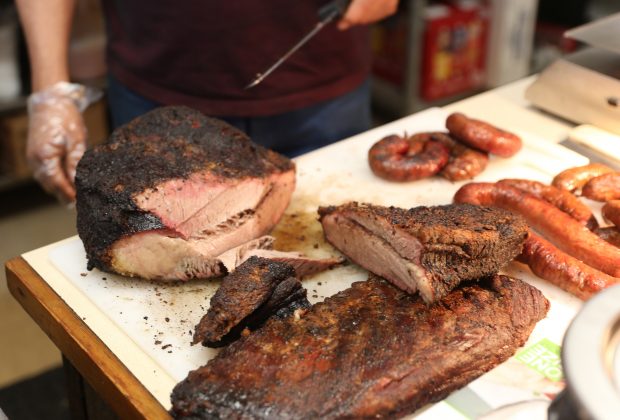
(425, 249)
(371, 351)
(263, 247)
(172, 190)
(257, 289)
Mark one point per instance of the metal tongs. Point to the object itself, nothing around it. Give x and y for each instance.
(326, 14)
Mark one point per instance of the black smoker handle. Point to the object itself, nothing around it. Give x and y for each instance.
(332, 9)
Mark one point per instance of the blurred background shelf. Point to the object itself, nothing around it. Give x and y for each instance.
(435, 52)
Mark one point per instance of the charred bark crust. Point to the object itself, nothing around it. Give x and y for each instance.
(459, 242)
(166, 143)
(370, 351)
(256, 290)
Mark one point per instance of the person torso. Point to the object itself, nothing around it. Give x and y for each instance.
(202, 53)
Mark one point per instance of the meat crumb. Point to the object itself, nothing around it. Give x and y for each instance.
(83, 274)
(167, 319)
(157, 342)
(166, 346)
(145, 318)
(299, 313)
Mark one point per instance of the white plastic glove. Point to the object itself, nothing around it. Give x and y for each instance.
(57, 135)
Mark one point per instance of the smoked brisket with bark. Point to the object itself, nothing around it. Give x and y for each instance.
(247, 297)
(369, 351)
(172, 190)
(425, 249)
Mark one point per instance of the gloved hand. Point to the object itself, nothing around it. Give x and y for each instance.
(57, 135)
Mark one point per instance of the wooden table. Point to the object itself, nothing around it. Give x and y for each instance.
(103, 374)
(85, 356)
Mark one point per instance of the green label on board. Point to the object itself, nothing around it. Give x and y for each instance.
(543, 357)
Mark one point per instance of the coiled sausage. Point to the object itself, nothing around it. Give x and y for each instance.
(564, 200)
(464, 162)
(611, 212)
(603, 188)
(557, 226)
(559, 268)
(575, 178)
(398, 158)
(483, 136)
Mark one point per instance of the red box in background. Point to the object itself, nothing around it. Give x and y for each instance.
(454, 50)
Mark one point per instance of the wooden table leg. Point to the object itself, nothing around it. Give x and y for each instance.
(84, 402)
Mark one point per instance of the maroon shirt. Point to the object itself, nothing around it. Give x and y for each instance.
(203, 53)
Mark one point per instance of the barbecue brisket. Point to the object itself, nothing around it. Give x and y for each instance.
(257, 289)
(425, 249)
(172, 190)
(263, 247)
(367, 352)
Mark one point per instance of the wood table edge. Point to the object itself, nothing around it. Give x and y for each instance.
(80, 345)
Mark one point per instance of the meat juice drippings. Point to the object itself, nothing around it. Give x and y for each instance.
(300, 231)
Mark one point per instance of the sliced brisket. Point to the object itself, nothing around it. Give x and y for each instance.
(370, 351)
(263, 247)
(425, 249)
(174, 189)
(257, 289)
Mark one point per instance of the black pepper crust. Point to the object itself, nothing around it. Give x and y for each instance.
(248, 296)
(466, 226)
(460, 242)
(166, 143)
(371, 351)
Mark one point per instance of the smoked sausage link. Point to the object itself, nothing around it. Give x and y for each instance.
(562, 199)
(603, 188)
(559, 268)
(464, 163)
(402, 159)
(555, 225)
(611, 212)
(483, 136)
(611, 234)
(575, 178)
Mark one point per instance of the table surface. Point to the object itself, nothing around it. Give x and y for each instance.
(135, 385)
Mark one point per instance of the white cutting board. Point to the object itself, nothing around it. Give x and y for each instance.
(149, 325)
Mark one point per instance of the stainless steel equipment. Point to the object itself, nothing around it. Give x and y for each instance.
(591, 362)
(584, 87)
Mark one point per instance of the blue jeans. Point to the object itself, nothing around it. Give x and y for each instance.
(292, 133)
